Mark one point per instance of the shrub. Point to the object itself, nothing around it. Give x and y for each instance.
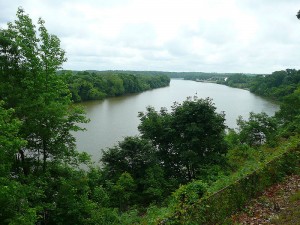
(214, 208)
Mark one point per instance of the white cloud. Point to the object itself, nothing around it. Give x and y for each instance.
(174, 35)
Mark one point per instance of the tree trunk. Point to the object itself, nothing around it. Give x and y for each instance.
(44, 155)
(189, 172)
(24, 166)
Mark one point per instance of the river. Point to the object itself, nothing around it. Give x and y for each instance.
(114, 118)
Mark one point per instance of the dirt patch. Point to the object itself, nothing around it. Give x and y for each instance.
(279, 204)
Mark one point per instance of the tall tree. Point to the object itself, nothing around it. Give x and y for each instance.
(188, 138)
(30, 58)
(136, 157)
(259, 128)
(9, 140)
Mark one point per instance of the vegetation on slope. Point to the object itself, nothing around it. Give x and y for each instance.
(279, 204)
(275, 86)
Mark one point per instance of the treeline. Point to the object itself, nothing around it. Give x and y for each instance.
(169, 74)
(210, 77)
(186, 74)
(182, 75)
(98, 85)
(276, 86)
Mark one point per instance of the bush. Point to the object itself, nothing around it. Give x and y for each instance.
(214, 208)
(190, 193)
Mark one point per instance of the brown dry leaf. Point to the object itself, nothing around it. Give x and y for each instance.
(268, 206)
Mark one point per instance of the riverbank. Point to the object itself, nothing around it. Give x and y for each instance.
(85, 86)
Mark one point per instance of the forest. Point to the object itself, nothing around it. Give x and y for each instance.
(98, 85)
(274, 86)
(169, 174)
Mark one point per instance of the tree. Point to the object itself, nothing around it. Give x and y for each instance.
(188, 138)
(290, 107)
(124, 190)
(133, 155)
(298, 15)
(155, 186)
(41, 99)
(10, 142)
(14, 199)
(259, 129)
(137, 157)
(289, 112)
(13, 195)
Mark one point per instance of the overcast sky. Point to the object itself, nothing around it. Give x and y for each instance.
(250, 36)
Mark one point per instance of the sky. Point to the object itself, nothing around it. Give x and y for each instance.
(247, 36)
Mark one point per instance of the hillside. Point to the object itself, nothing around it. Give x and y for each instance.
(279, 204)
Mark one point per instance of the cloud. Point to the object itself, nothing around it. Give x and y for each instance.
(174, 35)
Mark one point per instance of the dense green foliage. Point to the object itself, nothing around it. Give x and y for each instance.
(36, 140)
(28, 83)
(137, 158)
(174, 148)
(257, 129)
(275, 86)
(196, 76)
(98, 85)
(231, 193)
(212, 77)
(187, 139)
(183, 75)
